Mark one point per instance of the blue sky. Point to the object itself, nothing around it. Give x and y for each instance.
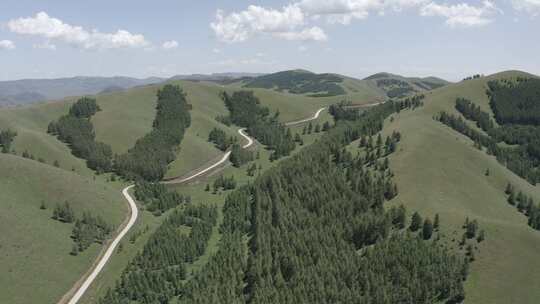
(451, 39)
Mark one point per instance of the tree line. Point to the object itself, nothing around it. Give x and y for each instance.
(151, 155)
(156, 198)
(516, 159)
(77, 130)
(245, 111)
(524, 204)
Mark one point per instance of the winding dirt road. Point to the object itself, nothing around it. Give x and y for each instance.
(315, 116)
(104, 258)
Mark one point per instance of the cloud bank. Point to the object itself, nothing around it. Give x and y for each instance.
(42, 25)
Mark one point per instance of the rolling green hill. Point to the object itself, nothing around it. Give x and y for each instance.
(125, 116)
(439, 171)
(379, 85)
(35, 259)
(396, 86)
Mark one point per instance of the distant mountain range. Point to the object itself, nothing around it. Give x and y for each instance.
(27, 91)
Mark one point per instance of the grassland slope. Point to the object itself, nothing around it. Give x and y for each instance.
(439, 171)
(35, 262)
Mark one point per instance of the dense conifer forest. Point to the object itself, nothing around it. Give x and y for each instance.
(156, 198)
(157, 273)
(245, 111)
(149, 158)
(515, 101)
(300, 82)
(313, 229)
(311, 224)
(77, 130)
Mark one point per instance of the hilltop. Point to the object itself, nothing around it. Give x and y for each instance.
(399, 86)
(383, 85)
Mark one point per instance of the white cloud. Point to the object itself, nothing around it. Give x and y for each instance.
(528, 6)
(343, 11)
(462, 14)
(216, 51)
(295, 21)
(173, 44)
(314, 34)
(45, 45)
(255, 20)
(302, 49)
(7, 45)
(55, 29)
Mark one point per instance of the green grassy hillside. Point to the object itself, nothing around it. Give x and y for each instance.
(35, 262)
(439, 171)
(128, 115)
(398, 86)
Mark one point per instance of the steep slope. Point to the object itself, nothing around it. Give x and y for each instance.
(35, 262)
(439, 171)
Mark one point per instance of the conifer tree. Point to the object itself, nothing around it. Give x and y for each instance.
(416, 222)
(427, 229)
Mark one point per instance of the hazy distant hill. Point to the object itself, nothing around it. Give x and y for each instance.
(216, 77)
(17, 92)
(26, 91)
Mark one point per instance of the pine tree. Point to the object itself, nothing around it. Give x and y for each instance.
(436, 222)
(416, 222)
(512, 198)
(326, 126)
(42, 206)
(427, 229)
(471, 229)
(481, 236)
(74, 250)
(379, 140)
(509, 189)
(470, 252)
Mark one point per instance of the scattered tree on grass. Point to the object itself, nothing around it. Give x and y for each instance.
(427, 229)
(416, 222)
(6, 138)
